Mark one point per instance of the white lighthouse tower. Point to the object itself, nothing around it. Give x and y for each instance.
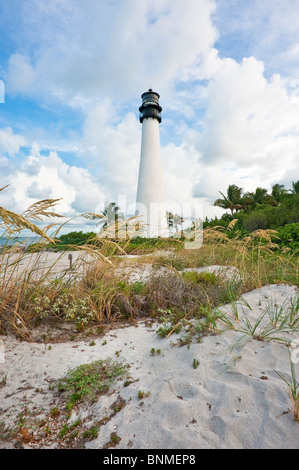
(150, 202)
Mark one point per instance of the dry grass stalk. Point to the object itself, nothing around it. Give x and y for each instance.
(19, 222)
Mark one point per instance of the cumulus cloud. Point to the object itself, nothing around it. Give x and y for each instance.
(113, 48)
(249, 120)
(249, 133)
(113, 151)
(20, 74)
(52, 178)
(10, 142)
(35, 191)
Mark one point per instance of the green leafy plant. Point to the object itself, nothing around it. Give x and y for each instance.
(288, 236)
(155, 352)
(114, 440)
(195, 363)
(88, 381)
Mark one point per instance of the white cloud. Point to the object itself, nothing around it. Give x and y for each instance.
(251, 130)
(89, 49)
(113, 151)
(20, 75)
(247, 115)
(10, 143)
(52, 178)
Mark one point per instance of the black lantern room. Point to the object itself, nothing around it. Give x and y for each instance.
(150, 107)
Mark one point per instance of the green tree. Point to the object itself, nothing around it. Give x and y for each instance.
(110, 223)
(278, 193)
(295, 189)
(233, 200)
(254, 199)
(111, 214)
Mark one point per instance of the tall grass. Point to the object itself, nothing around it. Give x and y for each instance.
(36, 286)
(253, 256)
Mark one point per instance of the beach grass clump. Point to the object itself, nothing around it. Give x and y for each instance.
(172, 291)
(274, 323)
(174, 261)
(34, 290)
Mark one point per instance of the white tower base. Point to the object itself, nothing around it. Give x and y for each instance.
(150, 194)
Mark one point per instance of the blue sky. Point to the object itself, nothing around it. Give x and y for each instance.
(227, 72)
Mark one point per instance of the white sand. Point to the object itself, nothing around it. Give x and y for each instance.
(44, 264)
(233, 399)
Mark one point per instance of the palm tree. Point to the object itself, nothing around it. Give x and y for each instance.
(260, 196)
(278, 193)
(232, 201)
(111, 214)
(111, 217)
(295, 189)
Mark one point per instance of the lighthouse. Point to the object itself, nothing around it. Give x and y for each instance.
(150, 202)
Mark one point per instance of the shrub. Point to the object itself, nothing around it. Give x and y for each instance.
(289, 236)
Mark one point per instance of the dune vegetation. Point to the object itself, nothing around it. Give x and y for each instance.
(93, 291)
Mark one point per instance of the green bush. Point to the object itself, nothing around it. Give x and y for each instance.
(289, 236)
(271, 217)
(76, 238)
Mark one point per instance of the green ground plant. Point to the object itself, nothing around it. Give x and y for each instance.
(88, 381)
(195, 363)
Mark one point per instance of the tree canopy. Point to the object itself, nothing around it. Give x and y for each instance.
(259, 209)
